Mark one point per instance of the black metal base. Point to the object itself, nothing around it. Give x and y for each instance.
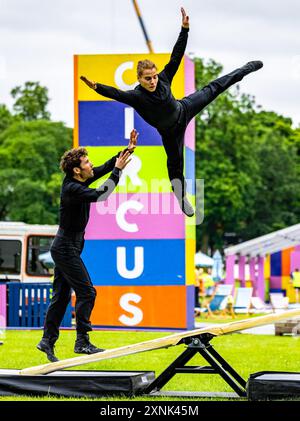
(200, 344)
(80, 383)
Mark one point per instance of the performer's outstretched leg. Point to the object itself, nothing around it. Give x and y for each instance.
(61, 295)
(173, 144)
(198, 100)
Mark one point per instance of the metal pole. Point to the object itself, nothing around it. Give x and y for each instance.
(138, 13)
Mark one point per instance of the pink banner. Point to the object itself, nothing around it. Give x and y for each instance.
(2, 306)
(189, 88)
(295, 260)
(242, 264)
(230, 262)
(275, 282)
(136, 216)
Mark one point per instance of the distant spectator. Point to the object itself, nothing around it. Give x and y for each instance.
(295, 281)
(208, 282)
(197, 287)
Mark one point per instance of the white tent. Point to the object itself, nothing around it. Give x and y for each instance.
(203, 260)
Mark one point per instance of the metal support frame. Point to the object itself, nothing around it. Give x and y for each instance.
(200, 344)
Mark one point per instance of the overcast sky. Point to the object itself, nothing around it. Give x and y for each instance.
(38, 39)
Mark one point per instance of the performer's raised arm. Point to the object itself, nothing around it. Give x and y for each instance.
(179, 48)
(108, 166)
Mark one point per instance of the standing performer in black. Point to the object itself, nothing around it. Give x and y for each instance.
(70, 271)
(154, 101)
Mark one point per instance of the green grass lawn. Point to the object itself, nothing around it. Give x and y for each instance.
(246, 353)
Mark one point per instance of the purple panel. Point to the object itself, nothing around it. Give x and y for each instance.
(275, 282)
(189, 76)
(190, 170)
(189, 88)
(230, 261)
(190, 296)
(295, 260)
(252, 270)
(2, 305)
(276, 264)
(260, 286)
(242, 264)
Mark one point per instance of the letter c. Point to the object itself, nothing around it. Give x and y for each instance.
(120, 215)
(119, 76)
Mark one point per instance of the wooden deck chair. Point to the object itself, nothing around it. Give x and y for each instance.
(278, 301)
(218, 301)
(259, 306)
(242, 300)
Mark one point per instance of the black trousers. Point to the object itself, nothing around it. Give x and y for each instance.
(69, 273)
(173, 139)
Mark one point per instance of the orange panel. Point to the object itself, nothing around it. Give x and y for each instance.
(286, 261)
(140, 306)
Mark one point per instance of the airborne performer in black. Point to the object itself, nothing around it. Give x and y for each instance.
(154, 101)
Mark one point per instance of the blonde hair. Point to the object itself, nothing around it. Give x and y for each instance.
(143, 65)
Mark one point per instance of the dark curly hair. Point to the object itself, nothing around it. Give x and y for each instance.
(71, 159)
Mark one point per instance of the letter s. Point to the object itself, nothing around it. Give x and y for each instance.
(137, 314)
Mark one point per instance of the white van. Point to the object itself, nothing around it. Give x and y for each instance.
(24, 252)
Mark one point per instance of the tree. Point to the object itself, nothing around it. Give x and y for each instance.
(278, 195)
(6, 118)
(249, 160)
(30, 178)
(225, 160)
(31, 101)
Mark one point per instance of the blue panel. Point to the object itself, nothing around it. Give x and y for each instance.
(190, 170)
(101, 123)
(163, 262)
(276, 264)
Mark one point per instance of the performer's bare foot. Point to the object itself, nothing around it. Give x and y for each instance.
(90, 83)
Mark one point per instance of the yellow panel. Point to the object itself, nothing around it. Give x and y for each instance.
(267, 267)
(285, 280)
(102, 68)
(190, 250)
(290, 291)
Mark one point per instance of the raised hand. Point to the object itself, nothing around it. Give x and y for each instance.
(185, 19)
(123, 160)
(90, 83)
(133, 140)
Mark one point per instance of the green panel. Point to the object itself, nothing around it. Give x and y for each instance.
(152, 175)
(190, 228)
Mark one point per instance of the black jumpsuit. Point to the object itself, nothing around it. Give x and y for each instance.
(70, 271)
(170, 116)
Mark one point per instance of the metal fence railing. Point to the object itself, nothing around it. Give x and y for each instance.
(28, 303)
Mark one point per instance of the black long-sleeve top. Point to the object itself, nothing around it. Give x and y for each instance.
(76, 196)
(158, 108)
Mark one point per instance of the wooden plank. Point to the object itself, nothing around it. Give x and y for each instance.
(159, 343)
